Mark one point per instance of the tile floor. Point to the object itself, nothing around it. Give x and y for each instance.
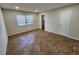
(40, 42)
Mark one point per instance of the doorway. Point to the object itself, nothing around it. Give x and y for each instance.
(43, 22)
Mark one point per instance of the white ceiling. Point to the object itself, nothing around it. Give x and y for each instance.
(31, 7)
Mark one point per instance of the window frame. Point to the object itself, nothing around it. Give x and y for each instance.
(26, 20)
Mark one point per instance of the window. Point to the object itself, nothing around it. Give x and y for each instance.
(29, 19)
(21, 20)
(24, 20)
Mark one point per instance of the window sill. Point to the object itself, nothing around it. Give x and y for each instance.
(25, 25)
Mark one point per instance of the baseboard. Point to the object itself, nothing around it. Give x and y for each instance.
(63, 35)
(73, 38)
(23, 32)
(45, 30)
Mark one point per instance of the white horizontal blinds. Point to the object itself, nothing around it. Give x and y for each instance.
(29, 19)
(21, 20)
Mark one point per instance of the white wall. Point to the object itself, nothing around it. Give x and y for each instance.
(74, 26)
(11, 24)
(52, 19)
(3, 35)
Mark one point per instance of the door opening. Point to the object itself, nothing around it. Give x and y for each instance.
(43, 22)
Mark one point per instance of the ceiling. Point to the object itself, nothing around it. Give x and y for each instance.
(31, 7)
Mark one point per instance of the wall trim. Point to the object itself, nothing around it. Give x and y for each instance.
(23, 32)
(46, 31)
(73, 38)
(63, 35)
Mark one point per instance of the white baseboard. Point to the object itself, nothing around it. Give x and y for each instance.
(23, 32)
(63, 35)
(73, 38)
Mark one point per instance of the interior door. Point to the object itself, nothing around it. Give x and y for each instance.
(65, 17)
